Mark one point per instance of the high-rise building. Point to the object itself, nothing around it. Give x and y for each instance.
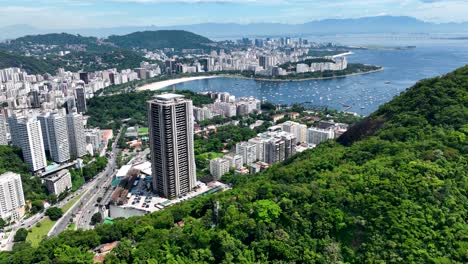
(298, 130)
(59, 182)
(80, 100)
(35, 100)
(248, 152)
(26, 133)
(11, 196)
(84, 76)
(316, 136)
(71, 104)
(219, 167)
(170, 119)
(235, 161)
(3, 130)
(76, 135)
(55, 136)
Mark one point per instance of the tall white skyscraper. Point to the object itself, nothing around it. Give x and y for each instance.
(76, 135)
(26, 133)
(170, 119)
(11, 196)
(3, 130)
(55, 136)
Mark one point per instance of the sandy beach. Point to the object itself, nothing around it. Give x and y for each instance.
(164, 84)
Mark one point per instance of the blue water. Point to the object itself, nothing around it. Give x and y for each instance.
(363, 93)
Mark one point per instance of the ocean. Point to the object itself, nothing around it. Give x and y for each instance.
(434, 55)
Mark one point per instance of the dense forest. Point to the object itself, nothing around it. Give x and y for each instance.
(31, 65)
(392, 189)
(130, 107)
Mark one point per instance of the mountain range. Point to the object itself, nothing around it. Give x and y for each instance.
(377, 24)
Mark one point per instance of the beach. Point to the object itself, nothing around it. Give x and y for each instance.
(167, 83)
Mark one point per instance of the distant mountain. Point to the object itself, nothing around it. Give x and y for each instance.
(177, 39)
(31, 65)
(377, 24)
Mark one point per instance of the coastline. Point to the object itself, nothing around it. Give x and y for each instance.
(299, 80)
(164, 84)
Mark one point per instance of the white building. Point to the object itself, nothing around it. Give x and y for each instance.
(298, 130)
(219, 167)
(235, 161)
(316, 136)
(248, 152)
(11, 196)
(55, 136)
(76, 135)
(3, 130)
(26, 133)
(59, 182)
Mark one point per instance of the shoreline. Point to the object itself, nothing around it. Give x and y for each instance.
(164, 84)
(303, 79)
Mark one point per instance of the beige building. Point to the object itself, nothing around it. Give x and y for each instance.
(59, 182)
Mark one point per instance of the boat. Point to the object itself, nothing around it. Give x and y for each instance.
(388, 82)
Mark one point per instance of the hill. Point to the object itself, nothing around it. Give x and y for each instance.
(394, 191)
(177, 39)
(31, 65)
(60, 39)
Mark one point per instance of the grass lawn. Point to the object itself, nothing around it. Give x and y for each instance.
(37, 234)
(71, 227)
(142, 131)
(68, 205)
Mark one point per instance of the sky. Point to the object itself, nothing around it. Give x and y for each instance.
(60, 14)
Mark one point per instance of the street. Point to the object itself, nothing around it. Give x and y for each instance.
(82, 211)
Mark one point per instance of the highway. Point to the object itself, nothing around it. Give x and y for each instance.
(82, 211)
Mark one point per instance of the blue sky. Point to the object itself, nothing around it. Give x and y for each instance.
(109, 13)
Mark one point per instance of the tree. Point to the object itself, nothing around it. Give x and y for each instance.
(54, 213)
(96, 218)
(266, 210)
(37, 206)
(20, 235)
(2, 223)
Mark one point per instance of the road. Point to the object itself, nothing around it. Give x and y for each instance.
(103, 191)
(82, 211)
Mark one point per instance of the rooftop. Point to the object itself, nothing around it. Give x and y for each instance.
(168, 96)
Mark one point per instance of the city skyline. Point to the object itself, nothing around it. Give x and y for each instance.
(94, 14)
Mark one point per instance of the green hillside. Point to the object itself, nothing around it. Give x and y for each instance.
(394, 191)
(55, 39)
(177, 39)
(31, 65)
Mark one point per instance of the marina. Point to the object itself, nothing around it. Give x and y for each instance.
(362, 94)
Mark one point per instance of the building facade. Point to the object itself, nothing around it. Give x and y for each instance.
(26, 133)
(170, 119)
(55, 136)
(76, 135)
(316, 136)
(219, 167)
(3, 130)
(248, 152)
(59, 182)
(11, 196)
